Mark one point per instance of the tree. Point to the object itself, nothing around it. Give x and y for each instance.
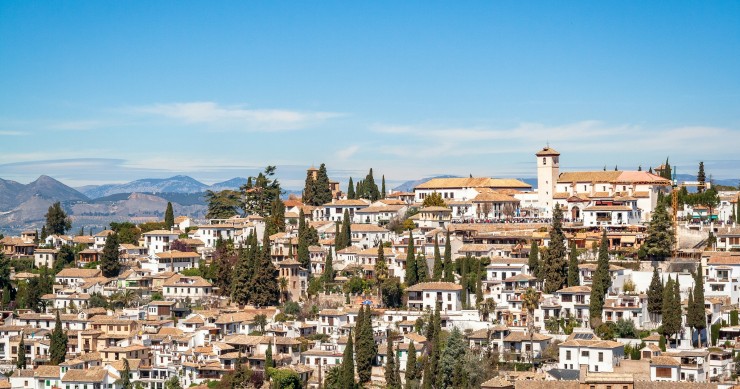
(322, 189)
(422, 270)
(666, 172)
(573, 278)
(411, 364)
(127, 232)
(269, 363)
(260, 321)
(534, 260)
(350, 190)
(390, 366)
(450, 365)
(368, 189)
(223, 204)
(600, 283)
(21, 361)
(381, 268)
(126, 375)
(57, 221)
(433, 200)
(44, 234)
(109, 259)
(263, 287)
(392, 293)
(276, 221)
(382, 190)
(260, 192)
(555, 265)
(411, 276)
(169, 217)
(328, 275)
(432, 366)
(697, 316)
(344, 239)
(448, 270)
(365, 348)
(347, 375)
(701, 177)
(308, 196)
(660, 239)
(530, 302)
(173, 383)
(58, 345)
(655, 296)
(671, 308)
(438, 264)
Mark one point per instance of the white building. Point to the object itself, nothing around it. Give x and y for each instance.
(158, 241)
(598, 355)
(44, 257)
(429, 295)
(179, 287)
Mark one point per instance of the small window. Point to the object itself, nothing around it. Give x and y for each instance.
(544, 161)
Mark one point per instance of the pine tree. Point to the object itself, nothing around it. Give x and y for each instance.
(438, 265)
(109, 264)
(698, 318)
(655, 296)
(422, 270)
(21, 361)
(58, 345)
(556, 266)
(660, 240)
(57, 221)
(390, 367)
(448, 270)
(169, 217)
(260, 192)
(449, 375)
(411, 364)
(534, 261)
(701, 177)
(350, 190)
(573, 278)
(411, 276)
(347, 374)
(328, 275)
(600, 283)
(126, 375)
(322, 189)
(382, 190)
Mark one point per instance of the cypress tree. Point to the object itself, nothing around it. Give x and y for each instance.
(573, 278)
(350, 190)
(169, 217)
(699, 316)
(397, 371)
(431, 368)
(411, 276)
(600, 283)
(449, 275)
(338, 244)
(44, 234)
(347, 374)
(478, 283)
(346, 230)
(422, 270)
(464, 280)
(328, 275)
(382, 191)
(308, 196)
(438, 265)
(690, 316)
(556, 266)
(21, 361)
(449, 374)
(109, 264)
(411, 364)
(125, 375)
(701, 177)
(58, 345)
(242, 276)
(322, 189)
(304, 256)
(263, 287)
(268, 357)
(381, 269)
(534, 261)
(655, 296)
(671, 309)
(390, 367)
(364, 340)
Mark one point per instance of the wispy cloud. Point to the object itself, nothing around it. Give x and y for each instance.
(236, 117)
(347, 152)
(13, 133)
(79, 125)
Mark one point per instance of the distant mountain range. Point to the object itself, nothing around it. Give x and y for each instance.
(176, 184)
(13, 194)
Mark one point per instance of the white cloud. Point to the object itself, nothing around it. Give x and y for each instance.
(236, 117)
(347, 152)
(13, 133)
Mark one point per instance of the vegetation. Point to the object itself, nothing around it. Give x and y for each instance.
(660, 240)
(434, 200)
(57, 221)
(600, 283)
(555, 265)
(58, 346)
(109, 260)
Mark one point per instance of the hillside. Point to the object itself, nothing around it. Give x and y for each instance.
(13, 194)
(176, 184)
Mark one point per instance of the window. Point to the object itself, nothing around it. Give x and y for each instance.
(567, 355)
(601, 357)
(663, 372)
(544, 161)
(584, 353)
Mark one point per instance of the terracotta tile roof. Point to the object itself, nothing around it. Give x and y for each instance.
(662, 360)
(177, 254)
(472, 182)
(547, 151)
(519, 336)
(71, 272)
(180, 280)
(494, 197)
(96, 374)
(576, 289)
(367, 228)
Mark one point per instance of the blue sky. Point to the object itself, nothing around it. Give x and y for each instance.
(95, 92)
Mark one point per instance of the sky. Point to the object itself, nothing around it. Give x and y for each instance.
(96, 92)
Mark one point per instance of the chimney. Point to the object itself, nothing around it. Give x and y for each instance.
(583, 372)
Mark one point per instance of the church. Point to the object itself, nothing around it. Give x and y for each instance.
(596, 198)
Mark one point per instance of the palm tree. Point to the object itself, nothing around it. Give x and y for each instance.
(124, 298)
(530, 302)
(261, 322)
(283, 288)
(487, 307)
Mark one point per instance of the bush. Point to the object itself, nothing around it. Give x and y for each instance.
(625, 329)
(291, 308)
(606, 331)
